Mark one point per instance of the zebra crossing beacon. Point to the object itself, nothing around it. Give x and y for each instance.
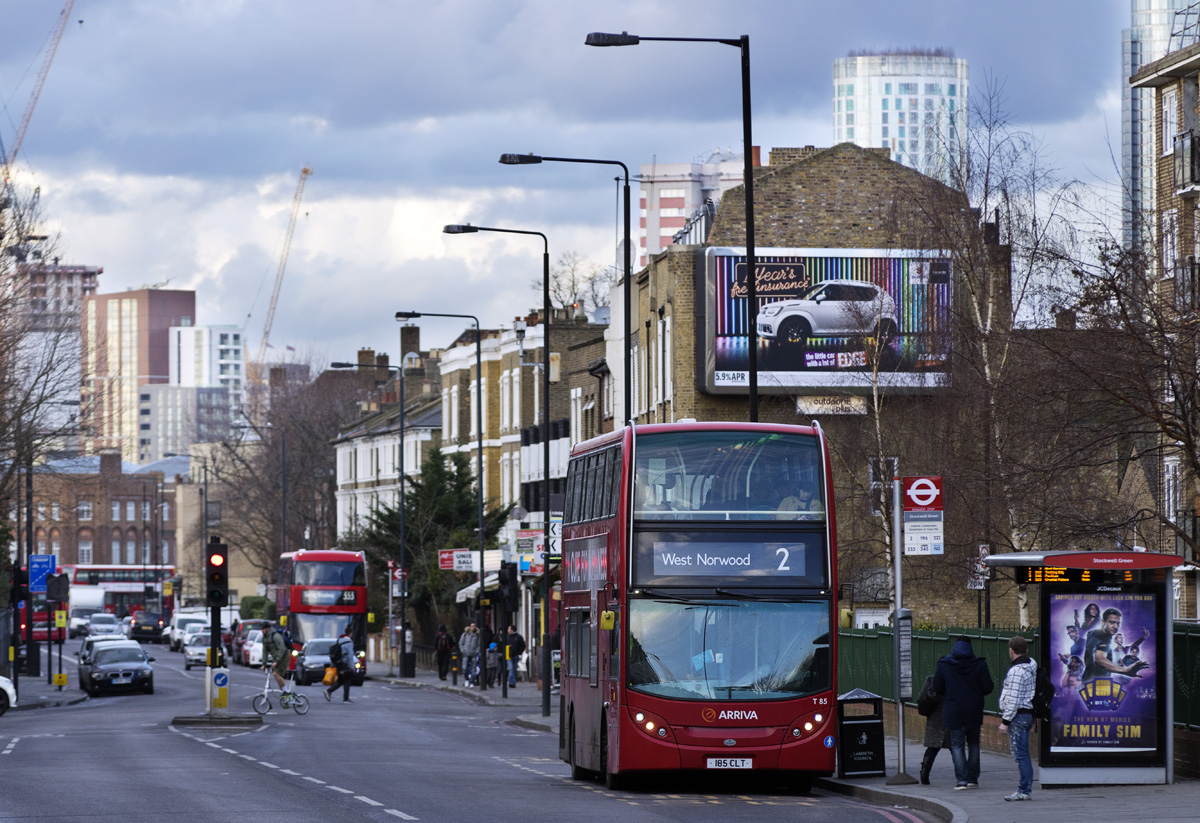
(699, 603)
(1106, 622)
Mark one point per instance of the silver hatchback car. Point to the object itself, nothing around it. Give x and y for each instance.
(830, 308)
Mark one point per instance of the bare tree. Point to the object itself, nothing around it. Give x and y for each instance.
(576, 281)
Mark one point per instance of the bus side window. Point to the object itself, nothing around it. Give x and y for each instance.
(571, 515)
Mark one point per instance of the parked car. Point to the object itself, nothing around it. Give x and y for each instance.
(101, 623)
(174, 631)
(312, 660)
(195, 649)
(92, 641)
(118, 666)
(830, 308)
(146, 626)
(239, 638)
(252, 649)
(8, 695)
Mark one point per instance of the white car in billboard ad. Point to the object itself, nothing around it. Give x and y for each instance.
(830, 308)
(827, 319)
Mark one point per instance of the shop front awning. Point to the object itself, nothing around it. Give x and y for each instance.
(490, 583)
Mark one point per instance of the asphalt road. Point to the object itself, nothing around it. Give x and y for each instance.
(394, 753)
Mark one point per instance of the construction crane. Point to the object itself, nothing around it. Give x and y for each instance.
(56, 36)
(283, 258)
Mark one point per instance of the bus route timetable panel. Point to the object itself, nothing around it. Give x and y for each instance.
(705, 558)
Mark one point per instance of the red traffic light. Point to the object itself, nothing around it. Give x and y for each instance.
(216, 559)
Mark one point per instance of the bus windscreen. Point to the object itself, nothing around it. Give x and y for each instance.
(328, 573)
(717, 649)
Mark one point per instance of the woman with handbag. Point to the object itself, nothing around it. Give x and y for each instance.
(937, 736)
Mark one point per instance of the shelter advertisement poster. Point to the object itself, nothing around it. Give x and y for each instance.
(837, 319)
(1104, 658)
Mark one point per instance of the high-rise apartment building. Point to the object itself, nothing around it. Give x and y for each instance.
(208, 357)
(675, 193)
(125, 346)
(172, 418)
(911, 102)
(1148, 38)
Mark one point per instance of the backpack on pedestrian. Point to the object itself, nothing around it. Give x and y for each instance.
(442, 643)
(335, 653)
(1043, 693)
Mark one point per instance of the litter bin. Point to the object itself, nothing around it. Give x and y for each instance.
(860, 735)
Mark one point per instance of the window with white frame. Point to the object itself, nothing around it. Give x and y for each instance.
(516, 399)
(664, 194)
(576, 406)
(84, 510)
(1171, 494)
(146, 549)
(41, 511)
(145, 510)
(446, 413)
(505, 479)
(1170, 101)
(166, 511)
(1170, 241)
(504, 407)
(454, 413)
(85, 550)
(166, 551)
(116, 550)
(130, 510)
(130, 552)
(116, 510)
(55, 511)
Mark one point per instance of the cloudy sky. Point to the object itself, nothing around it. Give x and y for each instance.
(170, 134)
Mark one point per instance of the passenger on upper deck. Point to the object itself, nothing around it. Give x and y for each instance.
(801, 504)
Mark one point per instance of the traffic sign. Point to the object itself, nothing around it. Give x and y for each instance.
(40, 567)
(554, 542)
(398, 574)
(922, 494)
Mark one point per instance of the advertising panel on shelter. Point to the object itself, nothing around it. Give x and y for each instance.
(1103, 647)
(837, 319)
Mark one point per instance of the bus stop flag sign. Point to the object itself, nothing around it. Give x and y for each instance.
(923, 530)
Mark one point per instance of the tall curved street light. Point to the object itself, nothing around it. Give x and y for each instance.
(413, 315)
(544, 665)
(742, 43)
(627, 292)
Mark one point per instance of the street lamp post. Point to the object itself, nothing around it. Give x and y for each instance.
(413, 315)
(627, 291)
(544, 665)
(743, 44)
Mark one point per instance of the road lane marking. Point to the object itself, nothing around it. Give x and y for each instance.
(400, 815)
(231, 751)
(339, 789)
(367, 800)
(247, 757)
(314, 780)
(268, 765)
(289, 771)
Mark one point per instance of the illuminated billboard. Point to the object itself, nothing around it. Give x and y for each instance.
(827, 319)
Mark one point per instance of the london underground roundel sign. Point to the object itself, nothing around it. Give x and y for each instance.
(922, 494)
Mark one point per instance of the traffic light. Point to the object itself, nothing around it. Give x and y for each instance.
(216, 572)
(508, 583)
(20, 586)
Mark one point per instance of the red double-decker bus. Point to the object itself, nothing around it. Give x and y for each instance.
(320, 594)
(699, 603)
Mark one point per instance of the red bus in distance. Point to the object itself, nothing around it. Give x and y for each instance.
(699, 603)
(320, 594)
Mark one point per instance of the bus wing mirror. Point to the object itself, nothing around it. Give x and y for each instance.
(608, 620)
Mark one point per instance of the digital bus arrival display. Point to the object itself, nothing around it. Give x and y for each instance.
(723, 559)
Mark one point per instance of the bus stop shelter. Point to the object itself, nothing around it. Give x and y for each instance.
(1106, 630)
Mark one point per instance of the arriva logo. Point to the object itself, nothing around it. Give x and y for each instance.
(710, 715)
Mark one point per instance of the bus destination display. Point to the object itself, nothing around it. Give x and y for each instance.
(723, 559)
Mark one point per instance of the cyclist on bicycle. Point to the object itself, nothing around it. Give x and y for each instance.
(275, 650)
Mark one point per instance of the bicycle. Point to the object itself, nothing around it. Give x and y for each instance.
(287, 700)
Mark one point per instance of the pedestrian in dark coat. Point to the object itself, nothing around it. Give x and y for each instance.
(443, 647)
(963, 680)
(937, 737)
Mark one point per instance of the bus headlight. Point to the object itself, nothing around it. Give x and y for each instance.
(806, 725)
(651, 724)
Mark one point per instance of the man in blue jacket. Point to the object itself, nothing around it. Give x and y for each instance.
(963, 680)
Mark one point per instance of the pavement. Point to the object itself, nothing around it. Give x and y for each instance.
(1161, 803)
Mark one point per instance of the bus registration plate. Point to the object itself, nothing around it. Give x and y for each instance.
(730, 763)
